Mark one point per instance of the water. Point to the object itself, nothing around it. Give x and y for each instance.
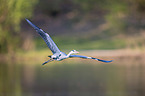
(73, 78)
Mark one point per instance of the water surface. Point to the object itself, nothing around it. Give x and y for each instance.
(73, 78)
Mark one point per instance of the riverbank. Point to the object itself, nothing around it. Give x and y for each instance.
(41, 55)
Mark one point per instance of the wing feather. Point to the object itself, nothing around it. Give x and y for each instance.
(85, 57)
(50, 43)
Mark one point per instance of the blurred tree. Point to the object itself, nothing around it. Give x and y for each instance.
(102, 19)
(120, 15)
(54, 8)
(116, 17)
(11, 14)
(136, 15)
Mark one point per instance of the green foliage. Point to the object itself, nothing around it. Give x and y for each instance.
(115, 12)
(120, 15)
(11, 14)
(90, 5)
(116, 18)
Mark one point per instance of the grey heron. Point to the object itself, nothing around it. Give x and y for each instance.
(57, 54)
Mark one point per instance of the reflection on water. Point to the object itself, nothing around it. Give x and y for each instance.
(84, 78)
(10, 80)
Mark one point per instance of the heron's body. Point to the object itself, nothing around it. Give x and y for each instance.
(57, 54)
(60, 56)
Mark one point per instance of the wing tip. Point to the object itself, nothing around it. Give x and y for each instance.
(27, 20)
(105, 61)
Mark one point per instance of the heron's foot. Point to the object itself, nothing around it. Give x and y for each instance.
(47, 61)
(44, 63)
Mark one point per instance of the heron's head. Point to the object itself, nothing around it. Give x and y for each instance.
(74, 52)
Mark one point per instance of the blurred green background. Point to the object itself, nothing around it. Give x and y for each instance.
(108, 29)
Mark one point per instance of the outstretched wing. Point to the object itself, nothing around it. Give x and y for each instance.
(85, 57)
(50, 43)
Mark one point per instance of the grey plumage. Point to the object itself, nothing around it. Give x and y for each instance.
(50, 43)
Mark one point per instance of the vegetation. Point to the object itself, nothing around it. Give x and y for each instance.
(78, 24)
(11, 14)
(109, 20)
(95, 24)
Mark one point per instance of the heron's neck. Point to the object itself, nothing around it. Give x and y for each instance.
(69, 54)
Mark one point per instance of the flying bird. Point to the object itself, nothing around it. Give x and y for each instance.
(57, 54)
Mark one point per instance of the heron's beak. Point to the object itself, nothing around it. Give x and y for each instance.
(77, 52)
